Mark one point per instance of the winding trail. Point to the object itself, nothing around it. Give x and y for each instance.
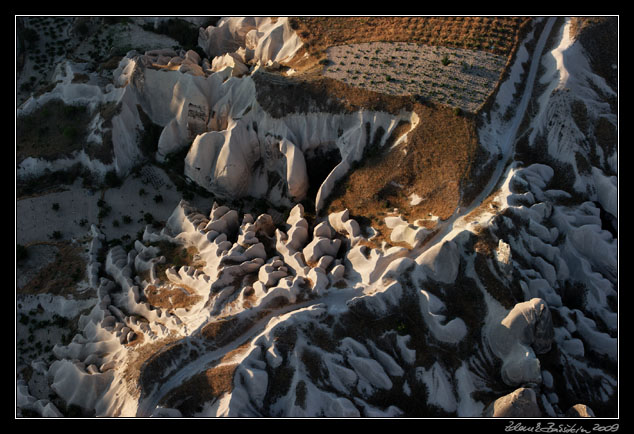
(450, 227)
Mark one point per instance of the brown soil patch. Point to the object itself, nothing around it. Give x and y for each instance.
(281, 96)
(486, 243)
(579, 24)
(223, 331)
(203, 387)
(492, 34)
(138, 358)
(51, 131)
(176, 255)
(61, 276)
(171, 296)
(437, 159)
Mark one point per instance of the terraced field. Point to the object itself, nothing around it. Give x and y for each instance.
(496, 35)
(453, 76)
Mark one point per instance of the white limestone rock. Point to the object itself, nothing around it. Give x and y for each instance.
(526, 330)
(439, 386)
(296, 173)
(453, 331)
(441, 261)
(319, 247)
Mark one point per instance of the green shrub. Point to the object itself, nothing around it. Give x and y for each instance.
(184, 32)
(21, 253)
(70, 132)
(112, 179)
(82, 28)
(30, 36)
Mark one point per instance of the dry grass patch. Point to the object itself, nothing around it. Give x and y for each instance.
(171, 296)
(138, 359)
(281, 96)
(432, 164)
(223, 331)
(52, 131)
(201, 388)
(176, 255)
(61, 276)
(496, 35)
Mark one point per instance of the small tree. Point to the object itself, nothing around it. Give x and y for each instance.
(21, 253)
(111, 179)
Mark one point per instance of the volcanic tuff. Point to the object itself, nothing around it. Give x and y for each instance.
(216, 270)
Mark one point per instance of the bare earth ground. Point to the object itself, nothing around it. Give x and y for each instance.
(432, 164)
(493, 34)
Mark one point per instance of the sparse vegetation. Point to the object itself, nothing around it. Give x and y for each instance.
(112, 180)
(434, 166)
(51, 131)
(21, 253)
(59, 277)
(420, 72)
(492, 34)
(182, 31)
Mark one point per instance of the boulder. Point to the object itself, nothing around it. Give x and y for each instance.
(525, 331)
(519, 403)
(580, 410)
